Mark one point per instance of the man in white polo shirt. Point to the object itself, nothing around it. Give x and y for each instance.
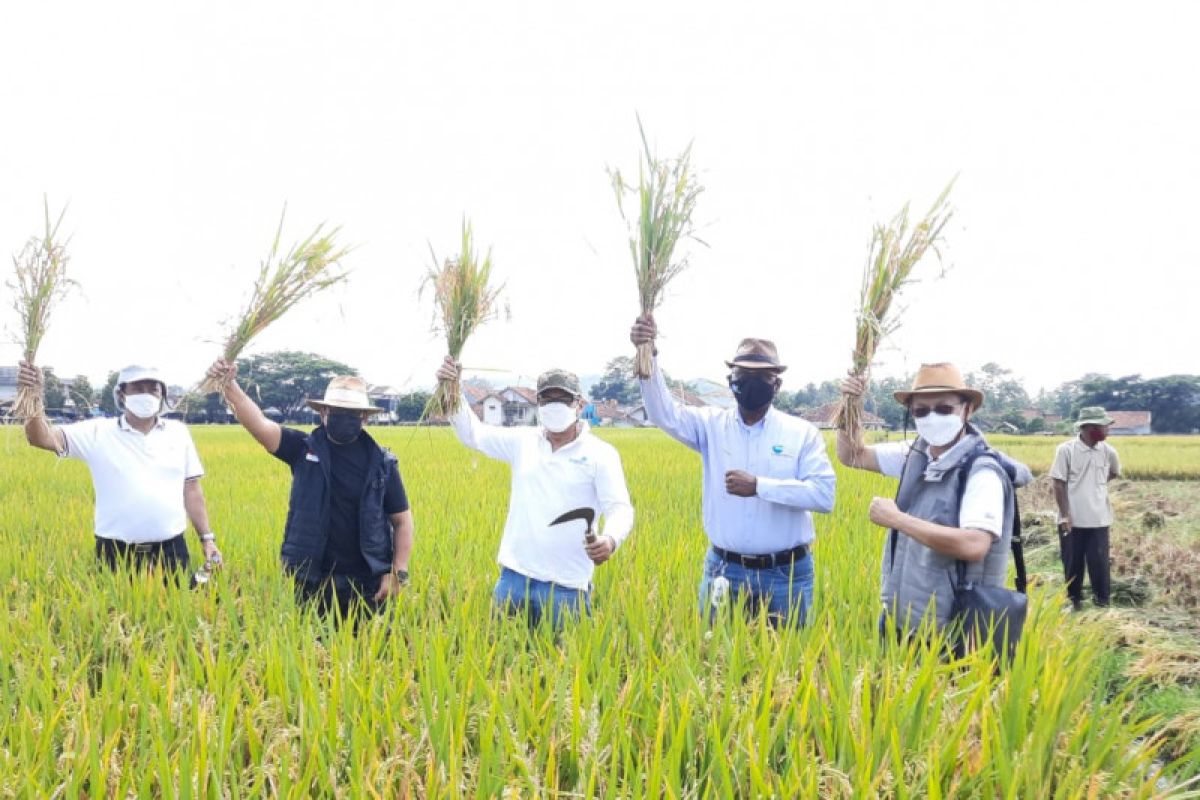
(546, 569)
(145, 471)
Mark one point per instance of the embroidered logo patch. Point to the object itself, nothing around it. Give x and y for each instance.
(777, 449)
(311, 456)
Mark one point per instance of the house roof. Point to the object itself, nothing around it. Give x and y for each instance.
(827, 415)
(475, 394)
(528, 395)
(1129, 419)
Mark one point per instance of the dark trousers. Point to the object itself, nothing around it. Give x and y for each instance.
(1086, 547)
(171, 555)
(346, 597)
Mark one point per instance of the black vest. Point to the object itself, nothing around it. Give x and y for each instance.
(307, 530)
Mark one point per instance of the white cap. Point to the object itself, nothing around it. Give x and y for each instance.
(134, 373)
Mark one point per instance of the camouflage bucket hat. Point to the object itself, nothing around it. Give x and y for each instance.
(1093, 415)
(559, 379)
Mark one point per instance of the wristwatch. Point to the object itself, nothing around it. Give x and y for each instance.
(208, 537)
(401, 576)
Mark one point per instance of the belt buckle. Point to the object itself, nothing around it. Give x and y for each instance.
(142, 547)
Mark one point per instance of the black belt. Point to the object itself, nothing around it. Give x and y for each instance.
(765, 560)
(141, 547)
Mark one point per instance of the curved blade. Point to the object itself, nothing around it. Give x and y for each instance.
(588, 515)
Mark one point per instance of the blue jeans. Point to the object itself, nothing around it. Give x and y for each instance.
(786, 591)
(519, 594)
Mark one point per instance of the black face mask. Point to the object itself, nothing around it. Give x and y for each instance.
(752, 392)
(343, 428)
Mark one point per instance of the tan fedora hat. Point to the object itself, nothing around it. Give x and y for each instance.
(939, 379)
(348, 392)
(756, 354)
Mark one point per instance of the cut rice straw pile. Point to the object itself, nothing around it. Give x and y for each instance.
(310, 266)
(464, 298)
(893, 255)
(667, 191)
(41, 281)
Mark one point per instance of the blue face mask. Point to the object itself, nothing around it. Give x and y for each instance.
(343, 428)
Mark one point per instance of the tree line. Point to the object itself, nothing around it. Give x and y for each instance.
(283, 380)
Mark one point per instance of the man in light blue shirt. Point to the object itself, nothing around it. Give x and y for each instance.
(765, 472)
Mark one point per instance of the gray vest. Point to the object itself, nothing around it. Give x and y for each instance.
(918, 580)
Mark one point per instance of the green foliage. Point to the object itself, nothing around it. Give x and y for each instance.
(108, 406)
(286, 378)
(1173, 401)
(82, 395)
(116, 686)
(55, 394)
(618, 383)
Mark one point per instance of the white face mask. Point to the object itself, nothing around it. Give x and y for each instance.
(556, 417)
(143, 406)
(939, 429)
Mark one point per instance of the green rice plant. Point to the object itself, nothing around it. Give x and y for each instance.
(284, 280)
(894, 253)
(40, 282)
(114, 685)
(464, 298)
(667, 191)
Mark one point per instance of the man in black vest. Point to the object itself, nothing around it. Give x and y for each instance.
(349, 530)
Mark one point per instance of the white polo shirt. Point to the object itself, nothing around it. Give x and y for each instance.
(138, 477)
(983, 497)
(546, 483)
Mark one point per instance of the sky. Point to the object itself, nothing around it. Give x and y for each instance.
(175, 134)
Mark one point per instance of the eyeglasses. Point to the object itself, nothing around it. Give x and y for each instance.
(944, 409)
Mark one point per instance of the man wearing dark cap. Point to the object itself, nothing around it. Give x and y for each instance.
(765, 472)
(1081, 471)
(558, 467)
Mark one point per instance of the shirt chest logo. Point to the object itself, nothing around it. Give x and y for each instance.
(311, 456)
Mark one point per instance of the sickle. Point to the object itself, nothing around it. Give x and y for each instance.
(588, 515)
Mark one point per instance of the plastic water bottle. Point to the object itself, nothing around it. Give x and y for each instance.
(719, 592)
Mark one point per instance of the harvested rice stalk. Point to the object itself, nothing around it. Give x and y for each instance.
(667, 191)
(464, 298)
(893, 255)
(41, 281)
(310, 266)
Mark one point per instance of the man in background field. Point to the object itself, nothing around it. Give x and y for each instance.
(349, 530)
(765, 472)
(546, 570)
(1081, 471)
(145, 471)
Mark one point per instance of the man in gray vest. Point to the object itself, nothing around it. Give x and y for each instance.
(1081, 471)
(955, 502)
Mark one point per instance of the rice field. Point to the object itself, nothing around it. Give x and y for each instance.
(119, 687)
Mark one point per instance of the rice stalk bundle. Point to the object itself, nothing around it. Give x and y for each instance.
(667, 190)
(40, 283)
(895, 251)
(464, 298)
(308, 267)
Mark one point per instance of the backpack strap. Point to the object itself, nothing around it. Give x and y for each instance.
(1017, 546)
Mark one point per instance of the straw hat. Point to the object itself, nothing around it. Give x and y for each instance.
(1093, 415)
(348, 392)
(756, 354)
(939, 379)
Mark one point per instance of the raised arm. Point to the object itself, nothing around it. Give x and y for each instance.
(247, 412)
(38, 430)
(852, 451)
(681, 422)
(492, 441)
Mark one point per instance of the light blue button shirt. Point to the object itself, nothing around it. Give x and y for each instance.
(786, 454)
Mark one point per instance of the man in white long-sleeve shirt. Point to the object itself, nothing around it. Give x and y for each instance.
(765, 472)
(557, 467)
